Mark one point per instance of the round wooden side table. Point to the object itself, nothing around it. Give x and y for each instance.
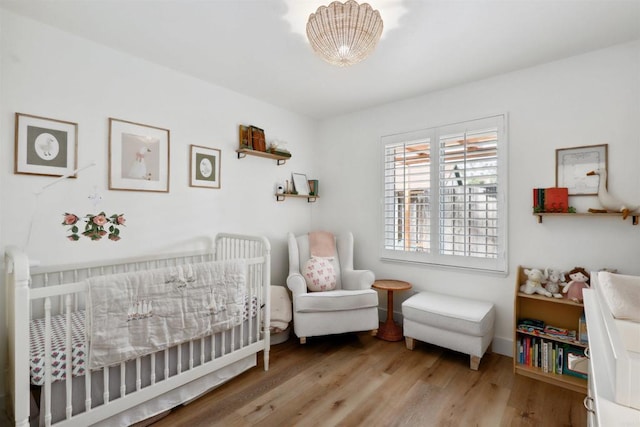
(389, 330)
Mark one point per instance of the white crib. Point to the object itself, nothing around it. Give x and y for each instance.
(136, 389)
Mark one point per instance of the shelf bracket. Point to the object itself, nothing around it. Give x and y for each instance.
(311, 199)
(634, 219)
(241, 155)
(280, 197)
(280, 162)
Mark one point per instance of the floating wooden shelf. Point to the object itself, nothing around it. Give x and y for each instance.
(310, 199)
(243, 152)
(634, 217)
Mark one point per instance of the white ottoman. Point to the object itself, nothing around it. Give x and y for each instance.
(456, 323)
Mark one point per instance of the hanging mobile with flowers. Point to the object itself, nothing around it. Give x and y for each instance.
(95, 226)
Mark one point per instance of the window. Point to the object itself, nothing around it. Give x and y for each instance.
(444, 195)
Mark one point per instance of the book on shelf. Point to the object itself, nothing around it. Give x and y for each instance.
(537, 327)
(552, 199)
(550, 356)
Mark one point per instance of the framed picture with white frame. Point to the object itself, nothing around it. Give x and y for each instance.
(138, 157)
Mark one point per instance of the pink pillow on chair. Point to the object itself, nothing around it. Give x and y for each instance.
(319, 274)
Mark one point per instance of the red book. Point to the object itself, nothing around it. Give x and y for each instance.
(556, 199)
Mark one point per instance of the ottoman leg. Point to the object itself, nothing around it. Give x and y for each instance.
(475, 362)
(410, 342)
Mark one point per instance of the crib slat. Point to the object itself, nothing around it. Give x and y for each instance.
(123, 384)
(138, 380)
(223, 335)
(213, 347)
(153, 368)
(69, 358)
(179, 362)
(105, 379)
(166, 364)
(47, 362)
(87, 385)
(190, 354)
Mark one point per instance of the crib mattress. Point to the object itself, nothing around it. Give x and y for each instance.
(58, 347)
(78, 353)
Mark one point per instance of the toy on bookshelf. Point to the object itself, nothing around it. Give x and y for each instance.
(579, 281)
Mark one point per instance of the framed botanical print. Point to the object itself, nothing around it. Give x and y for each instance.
(138, 157)
(45, 146)
(204, 167)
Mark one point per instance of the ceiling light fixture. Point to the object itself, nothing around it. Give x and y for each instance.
(344, 33)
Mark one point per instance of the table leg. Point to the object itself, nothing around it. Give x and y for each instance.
(389, 330)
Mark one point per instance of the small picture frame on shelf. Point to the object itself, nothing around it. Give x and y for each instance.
(45, 146)
(204, 167)
(300, 184)
(573, 164)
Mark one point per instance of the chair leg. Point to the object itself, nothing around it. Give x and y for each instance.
(475, 362)
(374, 332)
(410, 343)
(303, 340)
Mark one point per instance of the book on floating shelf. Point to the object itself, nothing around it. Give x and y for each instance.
(552, 199)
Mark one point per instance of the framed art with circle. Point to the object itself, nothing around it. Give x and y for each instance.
(45, 146)
(204, 167)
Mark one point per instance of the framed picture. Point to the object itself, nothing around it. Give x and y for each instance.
(45, 146)
(205, 167)
(300, 183)
(573, 164)
(138, 157)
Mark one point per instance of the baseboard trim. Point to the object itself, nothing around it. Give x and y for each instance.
(503, 346)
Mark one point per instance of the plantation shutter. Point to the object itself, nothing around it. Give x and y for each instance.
(444, 197)
(407, 191)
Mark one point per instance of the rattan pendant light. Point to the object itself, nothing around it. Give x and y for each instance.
(344, 33)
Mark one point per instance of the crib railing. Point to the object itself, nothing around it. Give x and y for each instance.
(48, 292)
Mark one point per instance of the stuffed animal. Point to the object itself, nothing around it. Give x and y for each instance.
(579, 281)
(535, 278)
(555, 278)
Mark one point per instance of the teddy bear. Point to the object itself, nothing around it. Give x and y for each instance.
(535, 278)
(554, 278)
(579, 281)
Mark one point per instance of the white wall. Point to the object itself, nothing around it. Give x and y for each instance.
(590, 99)
(49, 73)
(583, 100)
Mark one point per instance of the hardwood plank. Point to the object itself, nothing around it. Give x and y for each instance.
(356, 379)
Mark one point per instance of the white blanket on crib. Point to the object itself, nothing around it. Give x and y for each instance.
(137, 313)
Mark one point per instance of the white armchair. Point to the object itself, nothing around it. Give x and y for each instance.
(351, 307)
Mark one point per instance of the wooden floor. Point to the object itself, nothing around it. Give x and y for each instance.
(356, 379)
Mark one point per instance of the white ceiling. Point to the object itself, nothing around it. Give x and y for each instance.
(249, 46)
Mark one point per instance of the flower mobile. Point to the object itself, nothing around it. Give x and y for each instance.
(95, 226)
